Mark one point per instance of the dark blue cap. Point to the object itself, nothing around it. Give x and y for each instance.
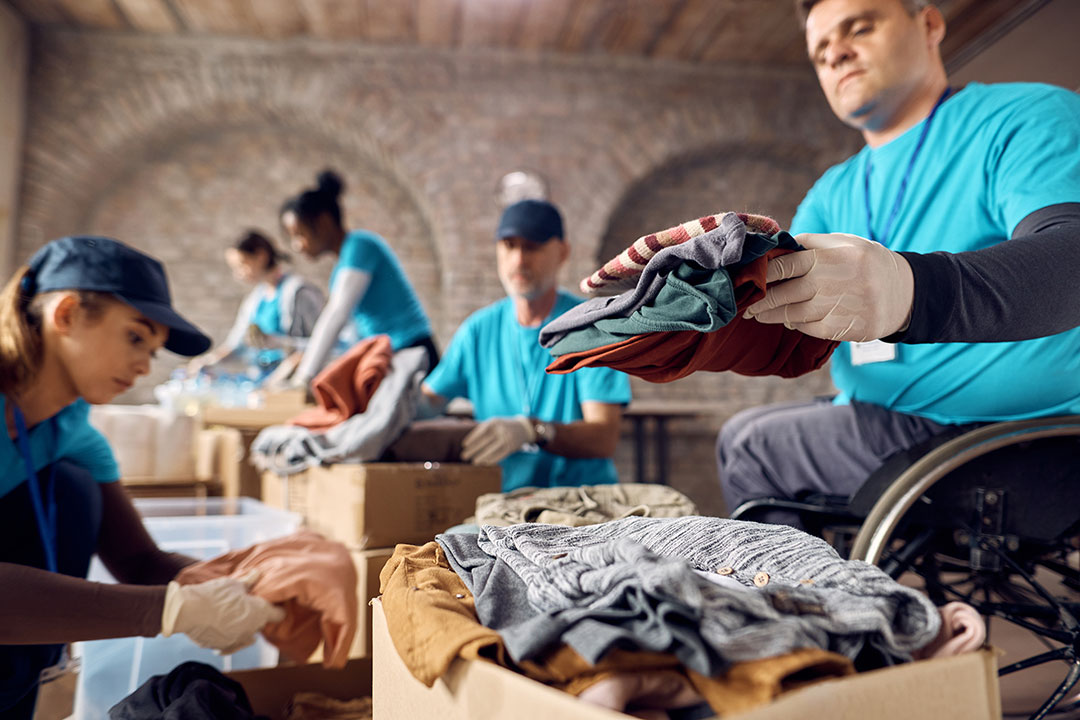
(101, 264)
(535, 220)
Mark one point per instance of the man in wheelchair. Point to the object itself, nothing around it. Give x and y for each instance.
(945, 252)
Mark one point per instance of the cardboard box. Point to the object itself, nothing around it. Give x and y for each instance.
(382, 504)
(219, 453)
(249, 418)
(294, 399)
(369, 563)
(271, 689)
(964, 687)
(288, 492)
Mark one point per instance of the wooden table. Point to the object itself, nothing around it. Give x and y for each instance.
(653, 415)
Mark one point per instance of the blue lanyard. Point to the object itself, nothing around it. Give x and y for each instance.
(903, 183)
(46, 520)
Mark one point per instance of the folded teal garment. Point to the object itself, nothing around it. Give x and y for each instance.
(692, 298)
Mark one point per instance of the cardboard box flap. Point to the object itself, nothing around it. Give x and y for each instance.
(959, 688)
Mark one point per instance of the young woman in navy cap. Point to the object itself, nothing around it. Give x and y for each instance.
(79, 325)
(367, 287)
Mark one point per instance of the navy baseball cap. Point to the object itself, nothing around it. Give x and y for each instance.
(535, 220)
(101, 264)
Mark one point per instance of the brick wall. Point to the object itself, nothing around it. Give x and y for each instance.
(176, 145)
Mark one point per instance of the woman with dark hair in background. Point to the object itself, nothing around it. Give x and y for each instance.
(367, 286)
(277, 316)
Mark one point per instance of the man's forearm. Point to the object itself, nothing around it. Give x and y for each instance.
(1026, 287)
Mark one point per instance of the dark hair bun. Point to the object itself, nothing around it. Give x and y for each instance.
(330, 183)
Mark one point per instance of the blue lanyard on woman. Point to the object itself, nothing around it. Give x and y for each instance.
(903, 183)
(46, 519)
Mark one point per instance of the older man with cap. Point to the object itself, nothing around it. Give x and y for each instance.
(545, 430)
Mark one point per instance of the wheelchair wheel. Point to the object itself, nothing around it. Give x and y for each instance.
(991, 518)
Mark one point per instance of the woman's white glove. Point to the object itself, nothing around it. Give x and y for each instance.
(494, 439)
(218, 614)
(842, 287)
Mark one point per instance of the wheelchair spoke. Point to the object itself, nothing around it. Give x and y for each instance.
(1065, 686)
(1066, 617)
(1062, 653)
(895, 565)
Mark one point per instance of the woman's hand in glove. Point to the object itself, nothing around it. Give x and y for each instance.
(219, 614)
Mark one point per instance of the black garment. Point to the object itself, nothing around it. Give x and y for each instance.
(191, 691)
(1024, 288)
(432, 352)
(78, 519)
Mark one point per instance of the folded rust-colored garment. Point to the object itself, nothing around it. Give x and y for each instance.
(431, 617)
(312, 578)
(345, 386)
(746, 347)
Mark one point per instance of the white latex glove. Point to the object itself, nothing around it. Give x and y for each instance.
(218, 614)
(494, 439)
(842, 287)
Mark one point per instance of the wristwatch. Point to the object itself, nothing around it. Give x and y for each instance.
(544, 431)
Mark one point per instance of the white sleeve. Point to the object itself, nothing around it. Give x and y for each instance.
(349, 288)
(235, 338)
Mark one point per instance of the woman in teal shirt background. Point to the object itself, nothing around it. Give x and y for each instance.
(367, 286)
(280, 311)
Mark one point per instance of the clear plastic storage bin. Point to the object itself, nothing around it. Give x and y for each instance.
(201, 528)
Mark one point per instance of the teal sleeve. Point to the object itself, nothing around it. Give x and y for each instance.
(82, 443)
(449, 378)
(810, 217)
(602, 385)
(359, 252)
(1035, 157)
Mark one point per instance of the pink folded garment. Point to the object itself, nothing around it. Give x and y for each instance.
(638, 693)
(962, 630)
(312, 578)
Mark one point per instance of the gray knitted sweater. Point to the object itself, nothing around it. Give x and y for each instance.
(638, 573)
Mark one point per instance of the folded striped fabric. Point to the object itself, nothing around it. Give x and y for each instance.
(621, 272)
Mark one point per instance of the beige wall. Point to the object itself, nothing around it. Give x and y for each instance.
(14, 52)
(1041, 49)
(177, 144)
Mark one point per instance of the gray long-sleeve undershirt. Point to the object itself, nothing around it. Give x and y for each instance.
(1027, 287)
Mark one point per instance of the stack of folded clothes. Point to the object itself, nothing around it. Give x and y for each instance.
(687, 288)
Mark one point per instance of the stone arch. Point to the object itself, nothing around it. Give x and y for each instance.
(110, 184)
(746, 177)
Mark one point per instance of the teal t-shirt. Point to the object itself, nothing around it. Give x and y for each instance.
(67, 435)
(993, 155)
(267, 315)
(390, 305)
(499, 365)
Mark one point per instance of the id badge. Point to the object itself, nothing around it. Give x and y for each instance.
(874, 351)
